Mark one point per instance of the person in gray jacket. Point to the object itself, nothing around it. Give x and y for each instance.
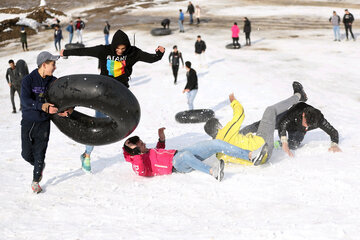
(14, 81)
(335, 21)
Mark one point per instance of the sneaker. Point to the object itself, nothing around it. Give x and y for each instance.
(259, 156)
(14, 111)
(298, 88)
(218, 171)
(36, 187)
(85, 163)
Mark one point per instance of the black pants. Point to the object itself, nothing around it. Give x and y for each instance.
(347, 28)
(13, 89)
(34, 142)
(24, 44)
(175, 69)
(235, 41)
(247, 36)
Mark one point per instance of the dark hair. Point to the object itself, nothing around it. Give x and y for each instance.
(212, 127)
(312, 116)
(199, 36)
(188, 64)
(132, 151)
(174, 46)
(11, 61)
(235, 23)
(180, 10)
(346, 10)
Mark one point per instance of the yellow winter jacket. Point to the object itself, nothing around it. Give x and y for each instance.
(230, 133)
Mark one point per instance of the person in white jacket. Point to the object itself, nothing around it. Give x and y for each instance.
(197, 14)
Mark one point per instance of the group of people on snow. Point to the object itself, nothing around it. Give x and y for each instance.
(347, 19)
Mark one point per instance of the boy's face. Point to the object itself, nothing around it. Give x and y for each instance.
(120, 49)
(12, 65)
(49, 68)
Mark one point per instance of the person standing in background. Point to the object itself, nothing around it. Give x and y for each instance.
(200, 48)
(79, 26)
(107, 32)
(191, 11)
(181, 20)
(23, 39)
(70, 29)
(235, 35)
(197, 14)
(14, 81)
(191, 87)
(247, 30)
(335, 21)
(348, 20)
(174, 61)
(57, 37)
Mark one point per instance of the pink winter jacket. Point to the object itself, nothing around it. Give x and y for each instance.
(235, 31)
(158, 161)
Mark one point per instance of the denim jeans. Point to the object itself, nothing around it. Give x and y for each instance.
(181, 25)
(58, 42)
(89, 149)
(191, 158)
(336, 32)
(191, 96)
(191, 18)
(71, 37)
(106, 39)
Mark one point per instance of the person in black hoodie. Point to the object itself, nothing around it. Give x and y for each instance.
(247, 30)
(200, 47)
(174, 61)
(191, 87)
(293, 125)
(116, 60)
(348, 20)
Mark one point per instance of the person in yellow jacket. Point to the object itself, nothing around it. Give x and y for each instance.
(265, 133)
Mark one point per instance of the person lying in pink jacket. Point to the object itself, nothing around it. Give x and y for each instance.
(160, 161)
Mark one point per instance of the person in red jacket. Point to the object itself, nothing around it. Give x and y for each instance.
(159, 161)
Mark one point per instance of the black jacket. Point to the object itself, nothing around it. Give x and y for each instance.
(107, 29)
(348, 18)
(112, 65)
(291, 122)
(192, 81)
(174, 58)
(200, 46)
(247, 26)
(190, 9)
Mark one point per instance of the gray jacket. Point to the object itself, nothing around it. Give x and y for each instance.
(12, 76)
(335, 20)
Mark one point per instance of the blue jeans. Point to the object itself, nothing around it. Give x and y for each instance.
(191, 158)
(191, 18)
(89, 149)
(191, 96)
(336, 32)
(106, 39)
(181, 25)
(71, 37)
(58, 42)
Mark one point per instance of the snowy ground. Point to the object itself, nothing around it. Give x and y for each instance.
(310, 196)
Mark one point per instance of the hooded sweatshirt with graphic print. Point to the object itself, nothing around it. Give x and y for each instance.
(116, 66)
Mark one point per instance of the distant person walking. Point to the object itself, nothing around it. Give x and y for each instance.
(57, 37)
(191, 11)
(235, 35)
(200, 48)
(79, 26)
(23, 39)
(174, 61)
(107, 32)
(197, 14)
(181, 20)
(335, 21)
(191, 87)
(14, 81)
(348, 20)
(247, 30)
(70, 29)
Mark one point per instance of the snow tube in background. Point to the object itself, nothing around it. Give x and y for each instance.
(194, 116)
(100, 93)
(22, 68)
(74, 45)
(160, 31)
(231, 46)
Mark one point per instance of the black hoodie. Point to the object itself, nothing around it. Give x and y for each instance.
(112, 65)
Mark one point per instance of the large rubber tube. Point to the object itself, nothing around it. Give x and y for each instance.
(231, 46)
(194, 116)
(98, 92)
(160, 31)
(22, 68)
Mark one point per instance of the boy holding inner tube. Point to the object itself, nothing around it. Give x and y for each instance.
(116, 60)
(35, 123)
